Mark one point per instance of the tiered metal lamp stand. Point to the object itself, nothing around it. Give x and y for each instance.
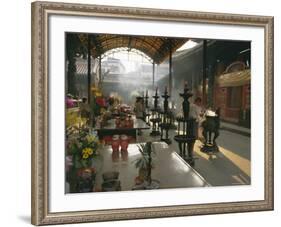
(185, 132)
(166, 121)
(155, 117)
(146, 111)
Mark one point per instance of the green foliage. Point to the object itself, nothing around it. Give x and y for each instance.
(83, 147)
(146, 151)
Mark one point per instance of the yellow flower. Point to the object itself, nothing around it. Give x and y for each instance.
(88, 151)
(85, 151)
(85, 156)
(91, 152)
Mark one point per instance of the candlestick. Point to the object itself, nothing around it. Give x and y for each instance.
(165, 125)
(185, 137)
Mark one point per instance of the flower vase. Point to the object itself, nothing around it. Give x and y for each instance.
(124, 143)
(115, 143)
(86, 178)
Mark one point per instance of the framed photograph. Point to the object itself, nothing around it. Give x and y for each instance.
(149, 113)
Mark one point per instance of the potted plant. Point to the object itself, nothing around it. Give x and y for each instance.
(144, 163)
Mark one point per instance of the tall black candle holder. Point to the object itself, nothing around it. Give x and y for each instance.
(185, 131)
(146, 109)
(146, 99)
(165, 125)
(155, 118)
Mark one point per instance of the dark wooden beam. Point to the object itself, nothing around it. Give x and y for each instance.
(204, 66)
(164, 48)
(170, 68)
(72, 47)
(211, 82)
(130, 43)
(89, 69)
(97, 44)
(153, 74)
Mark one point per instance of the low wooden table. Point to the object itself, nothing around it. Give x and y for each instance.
(170, 169)
(110, 129)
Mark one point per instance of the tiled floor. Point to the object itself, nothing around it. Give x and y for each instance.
(231, 166)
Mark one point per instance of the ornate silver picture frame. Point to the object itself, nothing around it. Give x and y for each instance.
(42, 213)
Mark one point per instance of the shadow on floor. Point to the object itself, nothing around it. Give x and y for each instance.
(241, 143)
(218, 170)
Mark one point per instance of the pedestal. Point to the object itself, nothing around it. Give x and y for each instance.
(165, 127)
(186, 146)
(155, 120)
(209, 148)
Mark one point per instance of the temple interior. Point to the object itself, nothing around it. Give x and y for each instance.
(152, 113)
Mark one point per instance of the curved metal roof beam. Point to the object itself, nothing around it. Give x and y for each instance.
(125, 49)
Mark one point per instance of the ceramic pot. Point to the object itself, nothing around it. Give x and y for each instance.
(115, 143)
(124, 143)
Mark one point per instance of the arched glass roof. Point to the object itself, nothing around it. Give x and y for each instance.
(126, 49)
(156, 48)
